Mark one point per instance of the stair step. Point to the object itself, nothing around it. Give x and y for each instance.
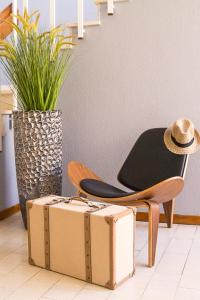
(86, 24)
(105, 1)
(5, 13)
(6, 99)
(5, 89)
(110, 4)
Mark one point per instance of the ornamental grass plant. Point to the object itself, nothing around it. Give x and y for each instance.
(36, 63)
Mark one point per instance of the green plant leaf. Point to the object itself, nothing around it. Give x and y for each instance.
(36, 65)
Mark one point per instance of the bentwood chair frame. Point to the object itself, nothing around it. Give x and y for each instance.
(163, 192)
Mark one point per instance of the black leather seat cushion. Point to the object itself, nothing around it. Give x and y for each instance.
(101, 189)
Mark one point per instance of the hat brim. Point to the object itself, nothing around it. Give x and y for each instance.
(179, 150)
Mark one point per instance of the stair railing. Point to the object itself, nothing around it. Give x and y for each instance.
(110, 7)
(52, 11)
(80, 19)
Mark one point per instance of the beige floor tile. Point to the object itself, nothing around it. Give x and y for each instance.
(185, 231)
(191, 280)
(91, 292)
(196, 243)
(191, 273)
(140, 242)
(197, 232)
(172, 264)
(22, 250)
(181, 246)
(35, 287)
(164, 280)
(43, 298)
(135, 294)
(10, 246)
(66, 288)
(159, 294)
(187, 294)
(165, 233)
(142, 257)
(137, 252)
(129, 291)
(11, 261)
(162, 286)
(5, 292)
(18, 276)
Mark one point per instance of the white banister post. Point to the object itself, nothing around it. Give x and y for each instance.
(52, 6)
(14, 10)
(25, 5)
(110, 7)
(80, 18)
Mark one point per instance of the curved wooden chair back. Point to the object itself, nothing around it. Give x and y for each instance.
(150, 162)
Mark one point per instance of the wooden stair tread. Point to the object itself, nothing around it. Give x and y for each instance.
(5, 13)
(5, 29)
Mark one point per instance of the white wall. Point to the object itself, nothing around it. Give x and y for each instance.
(140, 69)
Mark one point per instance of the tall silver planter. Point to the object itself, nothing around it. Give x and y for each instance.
(38, 155)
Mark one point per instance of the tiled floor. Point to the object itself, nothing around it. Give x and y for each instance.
(176, 274)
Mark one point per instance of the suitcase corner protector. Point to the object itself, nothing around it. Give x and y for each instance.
(111, 285)
(29, 204)
(31, 261)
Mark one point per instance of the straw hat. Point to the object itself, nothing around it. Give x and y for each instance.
(182, 138)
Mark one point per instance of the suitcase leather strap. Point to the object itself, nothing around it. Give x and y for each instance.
(87, 228)
(46, 228)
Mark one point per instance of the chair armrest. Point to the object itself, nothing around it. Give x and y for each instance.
(78, 171)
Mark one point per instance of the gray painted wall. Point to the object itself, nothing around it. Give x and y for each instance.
(8, 184)
(140, 69)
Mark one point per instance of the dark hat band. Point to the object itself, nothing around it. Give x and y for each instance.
(182, 145)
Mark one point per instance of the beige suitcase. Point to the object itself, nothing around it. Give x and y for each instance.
(83, 239)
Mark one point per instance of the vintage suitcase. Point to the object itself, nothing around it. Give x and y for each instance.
(83, 239)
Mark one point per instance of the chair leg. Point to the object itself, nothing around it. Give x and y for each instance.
(154, 213)
(169, 212)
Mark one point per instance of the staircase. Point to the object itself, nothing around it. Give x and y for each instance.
(76, 14)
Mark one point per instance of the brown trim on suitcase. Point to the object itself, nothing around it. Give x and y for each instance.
(87, 229)
(54, 201)
(123, 213)
(111, 220)
(124, 279)
(111, 284)
(46, 237)
(134, 210)
(88, 263)
(29, 205)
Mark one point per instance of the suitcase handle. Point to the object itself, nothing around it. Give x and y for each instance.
(86, 201)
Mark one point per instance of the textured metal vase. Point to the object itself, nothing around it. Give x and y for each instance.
(38, 155)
